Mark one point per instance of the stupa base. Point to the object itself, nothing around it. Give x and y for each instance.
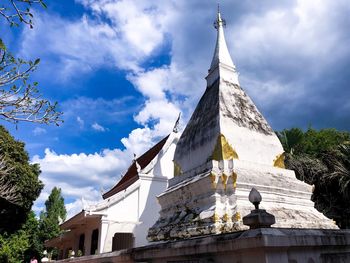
(214, 202)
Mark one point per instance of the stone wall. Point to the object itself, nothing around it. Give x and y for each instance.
(122, 256)
(267, 245)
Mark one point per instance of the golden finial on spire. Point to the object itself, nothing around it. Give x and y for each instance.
(219, 21)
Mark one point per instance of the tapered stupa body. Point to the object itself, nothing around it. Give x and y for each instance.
(225, 124)
(226, 149)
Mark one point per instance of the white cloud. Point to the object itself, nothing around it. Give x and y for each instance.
(138, 140)
(39, 131)
(299, 38)
(153, 83)
(80, 122)
(282, 48)
(80, 175)
(90, 43)
(98, 127)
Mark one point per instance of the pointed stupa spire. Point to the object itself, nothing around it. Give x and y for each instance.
(222, 58)
(226, 149)
(225, 119)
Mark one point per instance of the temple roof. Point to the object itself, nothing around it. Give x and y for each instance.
(131, 174)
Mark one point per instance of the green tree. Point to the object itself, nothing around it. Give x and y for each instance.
(315, 142)
(13, 247)
(31, 228)
(322, 158)
(311, 142)
(55, 212)
(20, 100)
(50, 219)
(291, 139)
(21, 185)
(23, 244)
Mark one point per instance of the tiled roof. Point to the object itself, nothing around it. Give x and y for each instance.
(131, 175)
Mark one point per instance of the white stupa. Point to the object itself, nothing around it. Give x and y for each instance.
(226, 149)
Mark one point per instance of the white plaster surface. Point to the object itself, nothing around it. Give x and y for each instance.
(210, 196)
(132, 210)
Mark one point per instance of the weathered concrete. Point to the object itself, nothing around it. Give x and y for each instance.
(258, 245)
(264, 245)
(226, 149)
(122, 256)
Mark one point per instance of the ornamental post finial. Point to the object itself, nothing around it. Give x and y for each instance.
(258, 218)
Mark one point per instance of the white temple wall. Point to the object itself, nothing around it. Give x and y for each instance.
(133, 213)
(149, 207)
(151, 185)
(126, 208)
(166, 166)
(113, 228)
(134, 209)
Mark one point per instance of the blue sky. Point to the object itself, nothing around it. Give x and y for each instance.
(122, 70)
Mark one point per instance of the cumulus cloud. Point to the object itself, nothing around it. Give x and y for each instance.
(90, 43)
(293, 58)
(287, 57)
(81, 175)
(275, 44)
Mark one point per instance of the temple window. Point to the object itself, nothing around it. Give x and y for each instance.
(82, 243)
(122, 241)
(94, 242)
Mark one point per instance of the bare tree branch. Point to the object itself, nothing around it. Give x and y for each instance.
(8, 191)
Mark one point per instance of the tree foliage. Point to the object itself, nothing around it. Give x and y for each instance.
(311, 142)
(21, 245)
(18, 11)
(13, 247)
(53, 215)
(322, 158)
(36, 246)
(22, 177)
(20, 100)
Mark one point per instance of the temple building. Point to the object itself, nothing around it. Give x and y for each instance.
(122, 219)
(189, 193)
(226, 149)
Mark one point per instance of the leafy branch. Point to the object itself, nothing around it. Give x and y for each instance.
(20, 100)
(19, 10)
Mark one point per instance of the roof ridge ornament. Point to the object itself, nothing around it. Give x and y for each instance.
(138, 166)
(177, 124)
